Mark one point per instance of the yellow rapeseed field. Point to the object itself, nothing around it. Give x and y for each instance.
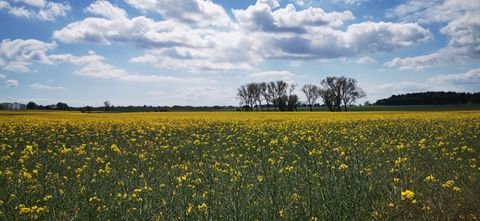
(240, 166)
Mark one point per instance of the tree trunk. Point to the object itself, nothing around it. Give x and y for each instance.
(310, 108)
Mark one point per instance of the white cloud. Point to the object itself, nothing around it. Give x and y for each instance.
(106, 9)
(273, 75)
(2, 76)
(17, 55)
(12, 83)
(262, 31)
(418, 62)
(462, 28)
(191, 12)
(366, 60)
(4, 4)
(36, 9)
(398, 87)
(192, 95)
(36, 3)
(94, 66)
(26, 50)
(271, 3)
(470, 77)
(45, 87)
(328, 43)
(467, 81)
(353, 2)
(260, 17)
(18, 66)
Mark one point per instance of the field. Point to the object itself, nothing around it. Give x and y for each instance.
(240, 166)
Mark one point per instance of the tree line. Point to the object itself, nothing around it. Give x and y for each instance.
(431, 98)
(337, 93)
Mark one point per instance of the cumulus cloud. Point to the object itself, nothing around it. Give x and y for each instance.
(260, 17)
(467, 81)
(17, 55)
(262, 31)
(366, 60)
(106, 9)
(18, 66)
(45, 87)
(12, 83)
(328, 43)
(462, 27)
(95, 66)
(273, 75)
(192, 12)
(36, 9)
(469, 77)
(191, 95)
(36, 3)
(354, 2)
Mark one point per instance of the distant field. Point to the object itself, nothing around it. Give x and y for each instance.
(393, 165)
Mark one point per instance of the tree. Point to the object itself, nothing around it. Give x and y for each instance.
(265, 94)
(244, 96)
(272, 94)
(62, 106)
(279, 94)
(107, 106)
(311, 93)
(336, 91)
(350, 92)
(32, 105)
(255, 93)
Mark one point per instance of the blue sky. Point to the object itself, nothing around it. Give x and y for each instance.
(196, 52)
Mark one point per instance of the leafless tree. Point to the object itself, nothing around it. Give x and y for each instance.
(336, 91)
(311, 93)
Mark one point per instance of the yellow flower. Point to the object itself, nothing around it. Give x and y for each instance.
(457, 189)
(343, 166)
(27, 175)
(295, 197)
(448, 184)
(430, 179)
(203, 207)
(189, 209)
(281, 213)
(47, 197)
(407, 195)
(376, 214)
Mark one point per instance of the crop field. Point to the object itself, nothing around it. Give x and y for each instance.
(240, 166)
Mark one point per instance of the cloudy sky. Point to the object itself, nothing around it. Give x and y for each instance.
(196, 52)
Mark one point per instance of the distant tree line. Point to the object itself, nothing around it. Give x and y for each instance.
(336, 92)
(59, 106)
(431, 98)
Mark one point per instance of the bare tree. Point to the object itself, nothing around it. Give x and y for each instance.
(107, 105)
(244, 96)
(337, 90)
(255, 92)
(272, 94)
(311, 93)
(264, 95)
(351, 92)
(281, 98)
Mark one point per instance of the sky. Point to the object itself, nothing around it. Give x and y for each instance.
(197, 52)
